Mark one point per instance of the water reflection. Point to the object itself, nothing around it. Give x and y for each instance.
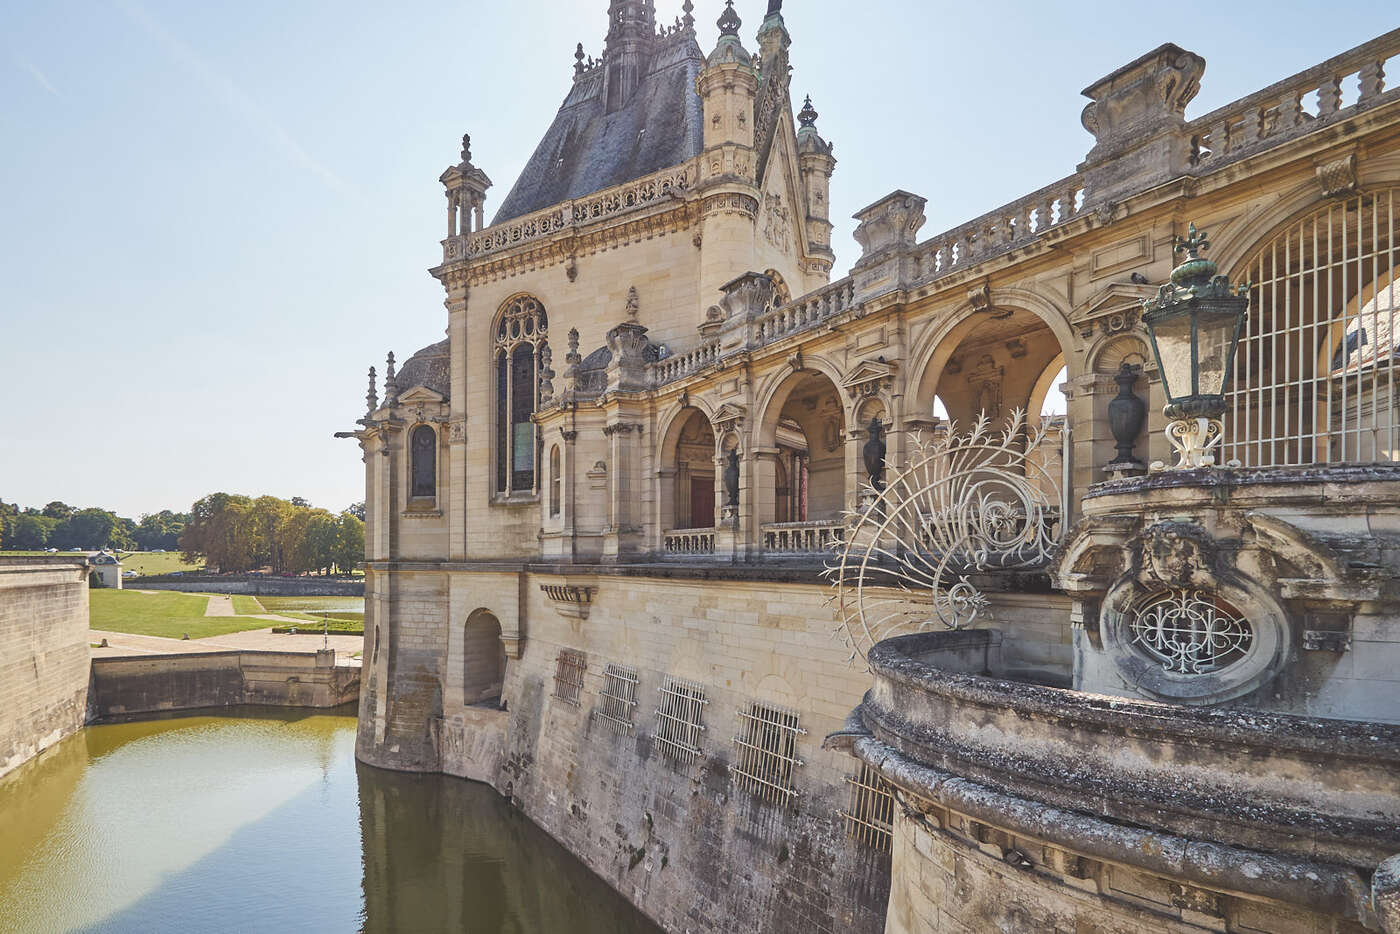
(264, 822)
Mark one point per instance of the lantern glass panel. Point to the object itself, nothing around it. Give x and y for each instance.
(1172, 335)
(1215, 338)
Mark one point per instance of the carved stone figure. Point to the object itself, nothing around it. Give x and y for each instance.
(731, 479)
(874, 454)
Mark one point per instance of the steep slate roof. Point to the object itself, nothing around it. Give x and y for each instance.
(430, 367)
(588, 149)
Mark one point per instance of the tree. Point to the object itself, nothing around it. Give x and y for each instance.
(29, 533)
(358, 511)
(57, 510)
(159, 530)
(349, 542)
(87, 528)
(300, 503)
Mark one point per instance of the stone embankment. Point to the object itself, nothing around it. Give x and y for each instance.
(197, 680)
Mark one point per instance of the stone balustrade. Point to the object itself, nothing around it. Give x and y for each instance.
(999, 231)
(802, 538)
(679, 366)
(1337, 89)
(687, 543)
(806, 312)
(652, 189)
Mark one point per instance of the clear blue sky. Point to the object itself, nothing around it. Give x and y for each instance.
(217, 216)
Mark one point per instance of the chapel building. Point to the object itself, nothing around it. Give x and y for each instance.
(626, 524)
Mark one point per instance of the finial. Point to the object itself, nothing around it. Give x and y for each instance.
(688, 21)
(1193, 244)
(808, 116)
(467, 147)
(578, 60)
(391, 385)
(775, 6)
(372, 397)
(729, 21)
(573, 341)
(634, 304)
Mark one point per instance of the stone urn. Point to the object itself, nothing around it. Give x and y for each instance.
(1126, 416)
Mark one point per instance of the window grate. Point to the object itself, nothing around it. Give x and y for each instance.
(680, 720)
(568, 676)
(768, 753)
(618, 699)
(870, 821)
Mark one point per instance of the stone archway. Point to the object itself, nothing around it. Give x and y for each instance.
(688, 461)
(802, 465)
(483, 659)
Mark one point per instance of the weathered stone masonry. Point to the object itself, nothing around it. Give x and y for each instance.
(43, 654)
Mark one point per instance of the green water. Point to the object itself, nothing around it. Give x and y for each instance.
(263, 822)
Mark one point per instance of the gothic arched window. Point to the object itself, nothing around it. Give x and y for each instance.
(424, 463)
(522, 332)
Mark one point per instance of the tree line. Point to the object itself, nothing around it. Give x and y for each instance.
(237, 533)
(227, 531)
(61, 526)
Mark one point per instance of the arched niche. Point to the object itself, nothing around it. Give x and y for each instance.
(483, 659)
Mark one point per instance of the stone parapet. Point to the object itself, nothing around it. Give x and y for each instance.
(1231, 813)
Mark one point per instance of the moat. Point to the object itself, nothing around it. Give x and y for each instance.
(259, 820)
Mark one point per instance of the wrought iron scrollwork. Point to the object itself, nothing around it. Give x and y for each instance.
(983, 501)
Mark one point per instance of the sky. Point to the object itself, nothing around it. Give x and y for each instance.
(217, 216)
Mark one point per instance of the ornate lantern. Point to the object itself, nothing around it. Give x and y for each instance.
(1194, 324)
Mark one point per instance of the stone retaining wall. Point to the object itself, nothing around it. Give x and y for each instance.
(43, 654)
(150, 683)
(254, 586)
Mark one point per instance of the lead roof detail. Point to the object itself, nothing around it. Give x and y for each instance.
(600, 137)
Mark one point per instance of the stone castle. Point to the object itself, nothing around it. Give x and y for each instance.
(600, 512)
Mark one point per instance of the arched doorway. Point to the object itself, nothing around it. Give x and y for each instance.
(483, 660)
(803, 466)
(691, 455)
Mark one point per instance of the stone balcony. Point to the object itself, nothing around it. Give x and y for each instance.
(1211, 816)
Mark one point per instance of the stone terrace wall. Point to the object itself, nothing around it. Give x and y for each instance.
(149, 683)
(43, 654)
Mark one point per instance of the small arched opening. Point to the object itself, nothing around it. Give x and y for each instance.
(483, 660)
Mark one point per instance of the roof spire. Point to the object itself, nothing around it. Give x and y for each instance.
(808, 116)
(729, 21)
(775, 6)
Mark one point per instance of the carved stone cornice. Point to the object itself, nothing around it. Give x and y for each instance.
(622, 428)
(571, 601)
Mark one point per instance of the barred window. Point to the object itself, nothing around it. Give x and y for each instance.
(568, 676)
(680, 720)
(618, 698)
(870, 821)
(768, 753)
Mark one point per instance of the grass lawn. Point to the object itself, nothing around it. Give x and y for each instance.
(171, 615)
(244, 605)
(313, 624)
(149, 564)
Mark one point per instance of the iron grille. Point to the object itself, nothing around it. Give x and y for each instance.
(617, 699)
(870, 821)
(568, 676)
(1314, 374)
(679, 720)
(768, 753)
